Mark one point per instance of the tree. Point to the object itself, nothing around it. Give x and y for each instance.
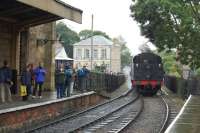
(169, 63)
(84, 34)
(171, 24)
(68, 37)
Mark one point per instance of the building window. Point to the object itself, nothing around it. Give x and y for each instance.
(87, 53)
(95, 54)
(79, 54)
(103, 54)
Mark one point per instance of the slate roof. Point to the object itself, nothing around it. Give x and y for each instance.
(97, 40)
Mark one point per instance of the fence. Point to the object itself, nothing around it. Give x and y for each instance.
(102, 81)
(183, 87)
(95, 82)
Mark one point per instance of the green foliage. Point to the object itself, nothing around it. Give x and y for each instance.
(169, 64)
(68, 37)
(84, 34)
(126, 57)
(198, 72)
(171, 24)
(101, 68)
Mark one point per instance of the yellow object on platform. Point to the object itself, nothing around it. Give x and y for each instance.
(23, 91)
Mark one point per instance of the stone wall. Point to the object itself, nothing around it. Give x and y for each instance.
(42, 51)
(7, 45)
(116, 58)
(25, 118)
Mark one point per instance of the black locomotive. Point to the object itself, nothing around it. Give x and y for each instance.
(147, 73)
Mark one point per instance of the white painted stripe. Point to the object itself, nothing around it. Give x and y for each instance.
(104, 123)
(179, 114)
(111, 131)
(188, 123)
(108, 121)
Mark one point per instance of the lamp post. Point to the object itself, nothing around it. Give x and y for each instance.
(92, 41)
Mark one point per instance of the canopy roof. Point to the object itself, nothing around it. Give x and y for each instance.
(34, 12)
(60, 54)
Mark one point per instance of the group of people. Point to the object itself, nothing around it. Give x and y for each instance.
(32, 79)
(66, 79)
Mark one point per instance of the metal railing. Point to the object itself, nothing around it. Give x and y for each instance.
(102, 81)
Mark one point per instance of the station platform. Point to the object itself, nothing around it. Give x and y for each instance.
(17, 100)
(188, 119)
(21, 116)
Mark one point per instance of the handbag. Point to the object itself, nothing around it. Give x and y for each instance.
(23, 91)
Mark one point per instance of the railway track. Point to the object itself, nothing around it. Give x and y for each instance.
(93, 115)
(127, 113)
(172, 112)
(154, 118)
(116, 121)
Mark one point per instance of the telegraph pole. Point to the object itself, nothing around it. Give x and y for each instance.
(92, 42)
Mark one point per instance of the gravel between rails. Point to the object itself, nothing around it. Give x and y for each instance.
(152, 117)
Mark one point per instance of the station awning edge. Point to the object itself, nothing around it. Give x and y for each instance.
(57, 8)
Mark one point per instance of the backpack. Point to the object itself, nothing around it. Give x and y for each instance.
(68, 73)
(81, 73)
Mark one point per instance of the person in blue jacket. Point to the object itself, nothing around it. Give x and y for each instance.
(82, 74)
(40, 73)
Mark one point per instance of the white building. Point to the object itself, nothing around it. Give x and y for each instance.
(102, 53)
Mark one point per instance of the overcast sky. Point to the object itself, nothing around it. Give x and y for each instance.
(110, 16)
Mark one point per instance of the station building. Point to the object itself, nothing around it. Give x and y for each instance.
(27, 32)
(105, 52)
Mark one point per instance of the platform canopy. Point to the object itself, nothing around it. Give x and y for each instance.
(26, 13)
(60, 54)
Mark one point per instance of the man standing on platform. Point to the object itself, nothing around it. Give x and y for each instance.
(60, 81)
(68, 79)
(6, 83)
(40, 73)
(82, 77)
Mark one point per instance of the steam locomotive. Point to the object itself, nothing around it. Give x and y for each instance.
(147, 73)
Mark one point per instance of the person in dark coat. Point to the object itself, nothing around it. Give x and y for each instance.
(26, 80)
(60, 81)
(40, 73)
(68, 79)
(2, 91)
(6, 76)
